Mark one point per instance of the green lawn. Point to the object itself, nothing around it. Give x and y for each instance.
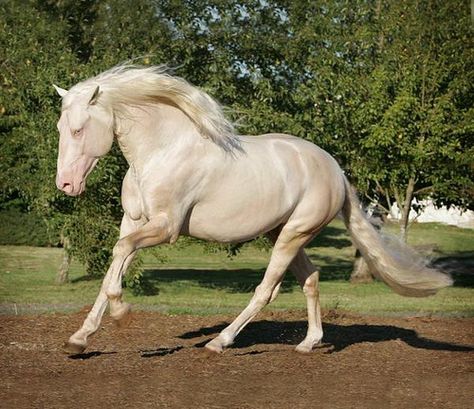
(193, 281)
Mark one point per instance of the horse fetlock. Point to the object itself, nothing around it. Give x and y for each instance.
(227, 338)
(114, 295)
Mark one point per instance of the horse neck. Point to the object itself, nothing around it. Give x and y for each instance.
(144, 132)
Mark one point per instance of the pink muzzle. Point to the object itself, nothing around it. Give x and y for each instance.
(72, 181)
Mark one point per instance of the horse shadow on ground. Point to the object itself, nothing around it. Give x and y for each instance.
(89, 355)
(163, 351)
(336, 337)
(147, 353)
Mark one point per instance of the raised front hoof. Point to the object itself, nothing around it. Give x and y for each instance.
(73, 349)
(214, 346)
(123, 318)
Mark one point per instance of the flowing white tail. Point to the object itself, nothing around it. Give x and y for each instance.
(396, 264)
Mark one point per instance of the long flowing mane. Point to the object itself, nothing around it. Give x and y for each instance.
(132, 85)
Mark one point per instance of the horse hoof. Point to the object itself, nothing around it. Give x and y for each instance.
(73, 349)
(307, 347)
(304, 349)
(123, 322)
(214, 346)
(123, 319)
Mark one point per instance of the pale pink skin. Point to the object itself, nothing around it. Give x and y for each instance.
(78, 152)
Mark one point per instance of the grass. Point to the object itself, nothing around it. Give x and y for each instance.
(193, 281)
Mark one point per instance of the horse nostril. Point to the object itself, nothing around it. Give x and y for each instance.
(66, 187)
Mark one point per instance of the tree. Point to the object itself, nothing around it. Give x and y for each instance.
(28, 146)
(420, 144)
(386, 88)
(389, 92)
(28, 106)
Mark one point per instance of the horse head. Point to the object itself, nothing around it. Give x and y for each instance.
(85, 134)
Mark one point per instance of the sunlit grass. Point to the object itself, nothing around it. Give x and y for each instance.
(193, 281)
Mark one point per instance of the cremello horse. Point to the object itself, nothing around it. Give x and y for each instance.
(191, 174)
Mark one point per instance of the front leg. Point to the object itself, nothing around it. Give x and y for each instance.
(152, 233)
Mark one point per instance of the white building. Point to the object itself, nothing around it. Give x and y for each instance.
(430, 213)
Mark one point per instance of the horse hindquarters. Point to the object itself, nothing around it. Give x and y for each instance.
(392, 261)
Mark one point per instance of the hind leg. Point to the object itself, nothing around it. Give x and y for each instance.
(308, 277)
(286, 247)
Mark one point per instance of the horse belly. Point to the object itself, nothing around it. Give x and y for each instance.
(225, 229)
(237, 218)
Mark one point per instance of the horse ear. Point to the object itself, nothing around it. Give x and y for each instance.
(61, 91)
(94, 96)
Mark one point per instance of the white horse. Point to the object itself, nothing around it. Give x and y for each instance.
(191, 174)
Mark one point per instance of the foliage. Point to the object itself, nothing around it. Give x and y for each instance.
(27, 105)
(425, 130)
(389, 89)
(385, 87)
(25, 228)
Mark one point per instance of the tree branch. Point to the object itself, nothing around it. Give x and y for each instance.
(423, 190)
(377, 203)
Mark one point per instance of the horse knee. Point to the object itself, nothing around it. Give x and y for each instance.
(113, 290)
(123, 248)
(264, 295)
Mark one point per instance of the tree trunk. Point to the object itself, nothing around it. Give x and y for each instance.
(405, 209)
(360, 272)
(63, 271)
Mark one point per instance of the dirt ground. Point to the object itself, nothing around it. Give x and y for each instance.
(159, 362)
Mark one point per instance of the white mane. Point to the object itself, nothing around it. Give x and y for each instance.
(131, 85)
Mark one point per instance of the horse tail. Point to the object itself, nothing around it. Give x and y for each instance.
(390, 260)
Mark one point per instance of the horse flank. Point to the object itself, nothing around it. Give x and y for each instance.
(129, 85)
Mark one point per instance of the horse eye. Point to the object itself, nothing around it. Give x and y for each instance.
(77, 132)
